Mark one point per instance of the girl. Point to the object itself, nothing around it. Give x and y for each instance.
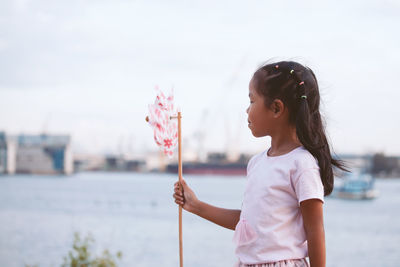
(281, 219)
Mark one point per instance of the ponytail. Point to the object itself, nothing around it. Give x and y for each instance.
(311, 134)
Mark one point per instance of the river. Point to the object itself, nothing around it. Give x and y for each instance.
(135, 213)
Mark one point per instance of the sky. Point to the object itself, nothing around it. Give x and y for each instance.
(89, 69)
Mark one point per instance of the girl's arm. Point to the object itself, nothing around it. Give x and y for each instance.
(224, 217)
(312, 213)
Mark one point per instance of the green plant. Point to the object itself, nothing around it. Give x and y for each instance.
(80, 255)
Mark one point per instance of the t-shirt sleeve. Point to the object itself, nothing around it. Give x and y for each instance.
(308, 185)
(250, 164)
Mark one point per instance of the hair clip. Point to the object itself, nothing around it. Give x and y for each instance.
(291, 72)
(301, 83)
(276, 66)
(304, 96)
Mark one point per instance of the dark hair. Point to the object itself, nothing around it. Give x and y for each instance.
(289, 81)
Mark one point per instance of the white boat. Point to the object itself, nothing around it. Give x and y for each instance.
(355, 186)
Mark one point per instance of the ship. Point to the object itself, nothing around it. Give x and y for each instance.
(216, 164)
(356, 186)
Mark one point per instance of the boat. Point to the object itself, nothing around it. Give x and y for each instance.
(356, 185)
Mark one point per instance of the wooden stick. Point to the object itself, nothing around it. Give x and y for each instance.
(180, 180)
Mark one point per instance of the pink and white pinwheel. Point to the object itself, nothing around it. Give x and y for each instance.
(165, 128)
(167, 134)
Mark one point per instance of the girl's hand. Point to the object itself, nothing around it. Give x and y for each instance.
(188, 200)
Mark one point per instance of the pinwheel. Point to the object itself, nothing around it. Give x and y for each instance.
(167, 134)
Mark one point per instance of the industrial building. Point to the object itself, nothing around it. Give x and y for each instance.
(36, 154)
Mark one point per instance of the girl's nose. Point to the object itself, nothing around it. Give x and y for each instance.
(247, 110)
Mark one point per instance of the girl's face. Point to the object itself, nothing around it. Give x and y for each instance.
(260, 118)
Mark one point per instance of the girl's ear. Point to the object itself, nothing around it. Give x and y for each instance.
(277, 108)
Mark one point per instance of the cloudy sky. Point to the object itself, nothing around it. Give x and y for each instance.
(89, 68)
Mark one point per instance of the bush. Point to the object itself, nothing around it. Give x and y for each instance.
(80, 255)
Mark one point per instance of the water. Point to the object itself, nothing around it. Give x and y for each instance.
(136, 214)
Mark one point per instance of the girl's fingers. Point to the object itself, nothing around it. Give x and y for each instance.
(177, 184)
(179, 202)
(177, 190)
(177, 197)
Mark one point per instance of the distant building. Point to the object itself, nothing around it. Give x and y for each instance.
(119, 163)
(87, 162)
(385, 166)
(39, 154)
(7, 154)
(355, 162)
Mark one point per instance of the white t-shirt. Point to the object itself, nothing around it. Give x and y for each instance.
(271, 225)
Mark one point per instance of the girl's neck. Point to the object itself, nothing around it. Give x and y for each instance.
(284, 143)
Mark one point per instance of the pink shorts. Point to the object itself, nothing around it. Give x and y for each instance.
(284, 263)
